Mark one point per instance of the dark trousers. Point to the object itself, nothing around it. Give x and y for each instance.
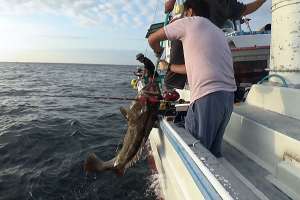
(208, 117)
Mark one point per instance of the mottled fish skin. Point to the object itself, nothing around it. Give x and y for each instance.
(141, 118)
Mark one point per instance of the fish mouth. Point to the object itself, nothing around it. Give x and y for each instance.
(92, 163)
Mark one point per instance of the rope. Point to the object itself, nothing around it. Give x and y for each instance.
(167, 18)
(153, 20)
(284, 83)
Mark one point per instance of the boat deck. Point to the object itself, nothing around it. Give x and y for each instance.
(252, 174)
(239, 175)
(278, 122)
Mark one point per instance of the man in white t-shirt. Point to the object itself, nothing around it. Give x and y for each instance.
(220, 11)
(209, 69)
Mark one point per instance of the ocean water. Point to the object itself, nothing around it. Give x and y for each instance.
(44, 140)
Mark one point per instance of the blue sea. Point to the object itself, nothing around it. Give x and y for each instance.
(45, 133)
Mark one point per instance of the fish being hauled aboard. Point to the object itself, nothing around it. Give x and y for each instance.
(141, 117)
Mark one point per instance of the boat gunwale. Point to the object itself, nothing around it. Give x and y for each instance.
(199, 172)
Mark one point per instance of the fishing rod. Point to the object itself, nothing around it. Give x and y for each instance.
(87, 97)
(79, 97)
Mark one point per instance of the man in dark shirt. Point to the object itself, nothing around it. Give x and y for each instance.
(174, 80)
(220, 11)
(149, 67)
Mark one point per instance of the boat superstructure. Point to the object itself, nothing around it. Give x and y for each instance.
(250, 53)
(262, 141)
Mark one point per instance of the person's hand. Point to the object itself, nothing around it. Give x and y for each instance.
(159, 53)
(169, 5)
(163, 65)
(261, 1)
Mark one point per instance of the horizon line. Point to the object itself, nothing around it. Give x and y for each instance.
(69, 63)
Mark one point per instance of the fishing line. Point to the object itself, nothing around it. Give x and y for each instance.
(153, 20)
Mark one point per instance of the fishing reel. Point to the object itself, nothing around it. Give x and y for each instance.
(171, 95)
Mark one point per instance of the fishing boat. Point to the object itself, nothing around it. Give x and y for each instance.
(261, 143)
(250, 53)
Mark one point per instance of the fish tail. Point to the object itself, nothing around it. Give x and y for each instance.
(94, 164)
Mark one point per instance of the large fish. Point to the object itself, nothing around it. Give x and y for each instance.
(141, 117)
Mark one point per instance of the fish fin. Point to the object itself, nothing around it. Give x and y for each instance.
(129, 114)
(94, 164)
(135, 111)
(132, 116)
(124, 112)
(137, 156)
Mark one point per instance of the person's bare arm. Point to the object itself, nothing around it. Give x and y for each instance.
(155, 39)
(179, 69)
(252, 7)
(169, 5)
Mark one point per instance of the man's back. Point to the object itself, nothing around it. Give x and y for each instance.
(208, 58)
(149, 65)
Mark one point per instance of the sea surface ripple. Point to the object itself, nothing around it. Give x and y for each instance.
(44, 140)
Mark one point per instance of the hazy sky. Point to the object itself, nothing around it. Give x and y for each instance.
(82, 31)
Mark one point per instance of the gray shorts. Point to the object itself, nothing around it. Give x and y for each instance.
(208, 117)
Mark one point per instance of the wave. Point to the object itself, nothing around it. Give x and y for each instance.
(44, 140)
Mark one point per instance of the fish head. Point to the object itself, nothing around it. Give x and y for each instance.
(136, 110)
